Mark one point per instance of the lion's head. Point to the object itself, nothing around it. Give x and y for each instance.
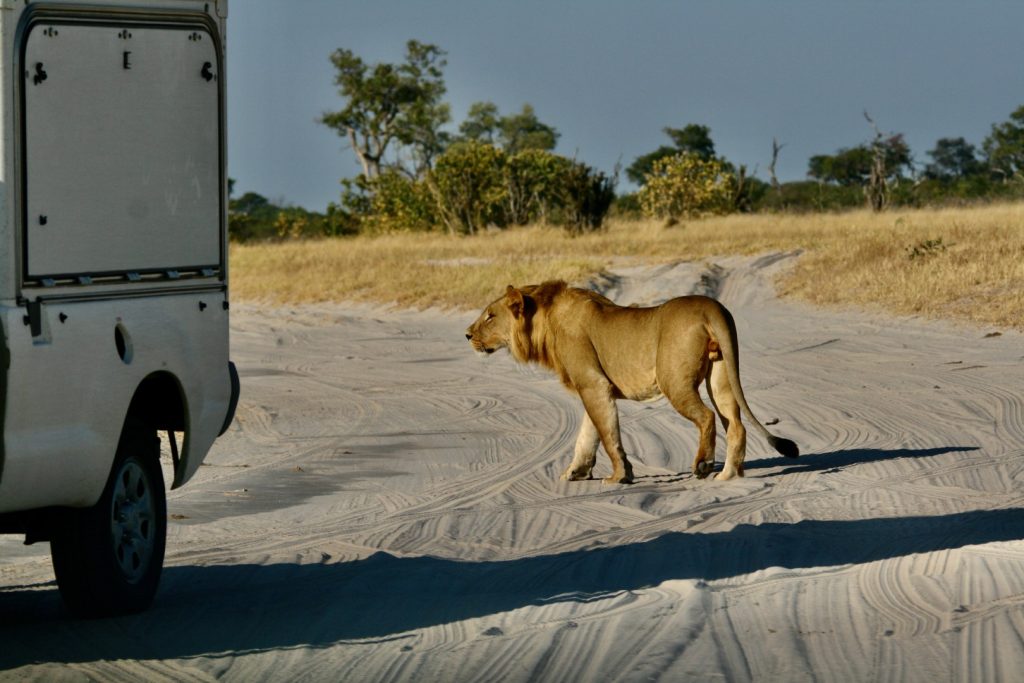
(496, 326)
(519, 322)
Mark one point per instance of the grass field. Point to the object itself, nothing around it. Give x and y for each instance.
(959, 264)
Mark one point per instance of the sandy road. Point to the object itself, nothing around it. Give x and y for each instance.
(387, 507)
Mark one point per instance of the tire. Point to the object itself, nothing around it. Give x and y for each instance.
(108, 558)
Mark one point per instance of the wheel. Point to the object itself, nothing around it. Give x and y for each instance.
(108, 558)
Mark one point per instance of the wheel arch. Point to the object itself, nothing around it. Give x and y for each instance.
(161, 404)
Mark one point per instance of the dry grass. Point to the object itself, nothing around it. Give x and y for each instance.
(965, 264)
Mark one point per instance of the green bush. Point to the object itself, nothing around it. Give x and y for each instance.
(253, 217)
(810, 195)
(687, 186)
(586, 197)
(400, 204)
(534, 181)
(468, 187)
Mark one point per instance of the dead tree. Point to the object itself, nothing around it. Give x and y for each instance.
(776, 147)
(877, 190)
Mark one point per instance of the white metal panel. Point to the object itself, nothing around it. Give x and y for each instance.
(73, 390)
(122, 149)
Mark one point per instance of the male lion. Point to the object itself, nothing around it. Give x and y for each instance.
(605, 352)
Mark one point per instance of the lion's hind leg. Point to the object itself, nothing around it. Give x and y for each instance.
(585, 452)
(678, 382)
(690, 406)
(720, 392)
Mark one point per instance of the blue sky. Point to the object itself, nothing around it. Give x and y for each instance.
(609, 75)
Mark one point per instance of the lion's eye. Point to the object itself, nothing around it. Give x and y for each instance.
(490, 316)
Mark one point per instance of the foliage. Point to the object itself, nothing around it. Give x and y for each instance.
(475, 185)
(804, 196)
(482, 122)
(953, 158)
(692, 139)
(748, 191)
(500, 170)
(254, 217)
(687, 186)
(586, 196)
(852, 166)
(627, 207)
(533, 180)
(468, 186)
(392, 104)
(1004, 146)
(515, 132)
(523, 131)
(399, 203)
(973, 189)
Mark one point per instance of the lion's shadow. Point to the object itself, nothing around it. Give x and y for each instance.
(812, 462)
(838, 460)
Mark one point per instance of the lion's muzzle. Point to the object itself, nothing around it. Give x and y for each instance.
(478, 346)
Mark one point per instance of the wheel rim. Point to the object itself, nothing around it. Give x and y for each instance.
(133, 524)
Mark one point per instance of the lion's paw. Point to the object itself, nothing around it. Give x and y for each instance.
(575, 475)
(704, 468)
(624, 479)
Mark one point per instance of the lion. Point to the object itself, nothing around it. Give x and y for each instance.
(603, 352)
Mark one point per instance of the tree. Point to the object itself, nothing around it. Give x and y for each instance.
(952, 159)
(776, 148)
(888, 155)
(691, 139)
(1004, 147)
(523, 131)
(515, 132)
(482, 122)
(251, 204)
(392, 104)
(852, 166)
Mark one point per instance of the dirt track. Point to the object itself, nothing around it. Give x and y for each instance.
(387, 507)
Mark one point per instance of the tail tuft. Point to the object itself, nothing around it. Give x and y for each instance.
(784, 446)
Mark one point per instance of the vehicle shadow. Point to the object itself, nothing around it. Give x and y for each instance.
(238, 609)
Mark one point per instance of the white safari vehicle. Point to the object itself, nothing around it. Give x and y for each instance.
(113, 279)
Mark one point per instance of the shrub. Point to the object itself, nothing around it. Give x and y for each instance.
(805, 196)
(687, 186)
(468, 186)
(399, 204)
(534, 181)
(586, 197)
(262, 220)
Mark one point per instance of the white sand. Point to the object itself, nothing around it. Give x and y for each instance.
(387, 507)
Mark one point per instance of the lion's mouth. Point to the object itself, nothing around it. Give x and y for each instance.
(480, 348)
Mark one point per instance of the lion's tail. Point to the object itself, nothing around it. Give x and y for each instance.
(724, 329)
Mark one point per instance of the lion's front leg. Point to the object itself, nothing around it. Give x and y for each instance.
(585, 453)
(605, 416)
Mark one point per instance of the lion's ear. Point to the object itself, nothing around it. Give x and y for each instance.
(514, 301)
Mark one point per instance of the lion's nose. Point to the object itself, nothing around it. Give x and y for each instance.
(469, 336)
